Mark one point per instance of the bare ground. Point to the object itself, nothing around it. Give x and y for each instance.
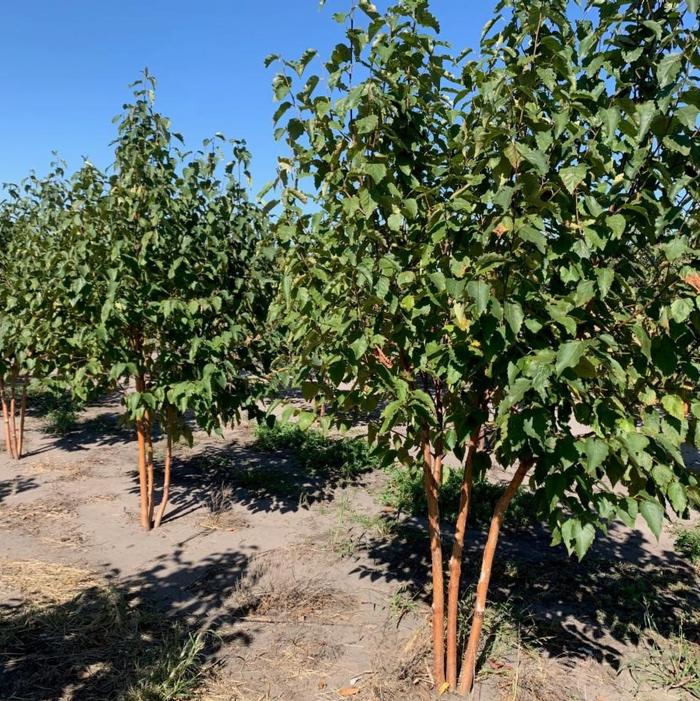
(310, 589)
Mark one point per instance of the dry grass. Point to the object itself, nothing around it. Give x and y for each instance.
(405, 674)
(50, 520)
(67, 471)
(44, 583)
(301, 599)
(67, 633)
(223, 514)
(304, 653)
(274, 591)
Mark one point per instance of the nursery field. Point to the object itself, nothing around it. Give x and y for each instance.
(267, 581)
(417, 419)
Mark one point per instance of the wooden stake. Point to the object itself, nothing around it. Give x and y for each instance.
(469, 663)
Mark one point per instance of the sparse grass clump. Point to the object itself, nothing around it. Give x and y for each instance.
(317, 453)
(668, 662)
(401, 603)
(404, 492)
(688, 543)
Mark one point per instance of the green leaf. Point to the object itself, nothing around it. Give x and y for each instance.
(305, 419)
(674, 405)
(359, 347)
(460, 318)
(662, 475)
(668, 68)
(410, 208)
(395, 221)
(653, 514)
(645, 113)
(677, 497)
(535, 158)
(584, 536)
(367, 124)
(605, 277)
(514, 315)
(569, 354)
(480, 292)
(596, 453)
(681, 309)
(572, 177)
(376, 171)
(616, 223)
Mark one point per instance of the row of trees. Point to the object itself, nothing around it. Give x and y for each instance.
(153, 276)
(503, 243)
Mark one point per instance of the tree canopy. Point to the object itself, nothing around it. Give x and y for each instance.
(507, 241)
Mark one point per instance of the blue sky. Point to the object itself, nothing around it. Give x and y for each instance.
(65, 67)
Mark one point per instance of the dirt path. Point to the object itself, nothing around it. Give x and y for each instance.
(307, 588)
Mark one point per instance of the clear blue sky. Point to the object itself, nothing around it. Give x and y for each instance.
(65, 67)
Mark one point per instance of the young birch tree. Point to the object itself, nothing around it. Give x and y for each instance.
(510, 243)
(161, 286)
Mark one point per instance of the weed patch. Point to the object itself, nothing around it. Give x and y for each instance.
(316, 453)
(404, 492)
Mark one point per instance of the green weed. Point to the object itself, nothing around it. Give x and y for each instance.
(404, 492)
(688, 543)
(316, 453)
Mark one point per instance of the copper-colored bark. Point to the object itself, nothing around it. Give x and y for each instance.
(167, 469)
(469, 663)
(431, 470)
(13, 422)
(143, 475)
(6, 420)
(455, 565)
(148, 423)
(22, 417)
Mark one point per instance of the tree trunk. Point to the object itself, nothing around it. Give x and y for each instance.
(13, 417)
(6, 420)
(455, 566)
(143, 477)
(431, 471)
(22, 416)
(469, 664)
(149, 465)
(167, 468)
(143, 471)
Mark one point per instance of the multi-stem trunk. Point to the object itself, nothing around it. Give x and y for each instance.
(455, 565)
(432, 477)
(469, 663)
(22, 417)
(169, 421)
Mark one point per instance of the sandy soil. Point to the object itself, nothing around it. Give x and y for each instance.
(307, 589)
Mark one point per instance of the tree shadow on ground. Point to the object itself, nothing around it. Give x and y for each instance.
(143, 637)
(16, 485)
(103, 430)
(260, 481)
(569, 610)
